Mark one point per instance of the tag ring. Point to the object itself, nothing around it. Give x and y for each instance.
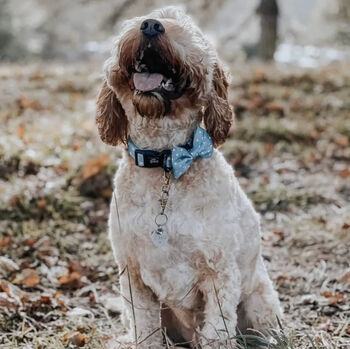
(161, 219)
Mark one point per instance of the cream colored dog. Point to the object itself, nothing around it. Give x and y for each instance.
(207, 277)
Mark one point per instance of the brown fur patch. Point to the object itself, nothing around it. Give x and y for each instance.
(218, 114)
(110, 118)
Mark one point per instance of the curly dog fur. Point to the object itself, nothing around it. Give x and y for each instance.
(210, 277)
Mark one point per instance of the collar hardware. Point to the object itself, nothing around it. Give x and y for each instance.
(179, 159)
(151, 158)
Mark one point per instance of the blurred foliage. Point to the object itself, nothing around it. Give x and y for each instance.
(83, 29)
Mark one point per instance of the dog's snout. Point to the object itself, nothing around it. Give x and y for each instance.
(152, 27)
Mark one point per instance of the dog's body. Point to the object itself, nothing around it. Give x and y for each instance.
(211, 267)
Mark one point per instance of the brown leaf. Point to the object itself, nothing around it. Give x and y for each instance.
(26, 103)
(94, 166)
(345, 173)
(5, 241)
(336, 298)
(255, 103)
(28, 277)
(71, 280)
(274, 107)
(45, 300)
(259, 75)
(41, 203)
(12, 293)
(76, 338)
(327, 294)
(6, 301)
(29, 242)
(345, 279)
(269, 147)
(4, 286)
(20, 131)
(341, 140)
(279, 233)
(281, 279)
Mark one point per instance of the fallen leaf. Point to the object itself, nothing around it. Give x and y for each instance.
(13, 292)
(255, 103)
(41, 203)
(5, 241)
(259, 75)
(94, 166)
(345, 279)
(274, 107)
(281, 279)
(29, 242)
(6, 301)
(76, 338)
(70, 280)
(345, 173)
(20, 131)
(26, 103)
(45, 300)
(28, 277)
(280, 234)
(8, 263)
(333, 298)
(341, 140)
(327, 294)
(269, 147)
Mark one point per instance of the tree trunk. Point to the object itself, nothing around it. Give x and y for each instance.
(268, 12)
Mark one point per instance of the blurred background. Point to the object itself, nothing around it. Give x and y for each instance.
(290, 67)
(310, 33)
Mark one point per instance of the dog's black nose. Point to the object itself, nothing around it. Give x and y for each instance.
(152, 27)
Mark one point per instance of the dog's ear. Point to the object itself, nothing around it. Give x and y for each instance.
(111, 120)
(218, 114)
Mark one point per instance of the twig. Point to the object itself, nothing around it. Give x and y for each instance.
(166, 338)
(151, 334)
(132, 306)
(222, 315)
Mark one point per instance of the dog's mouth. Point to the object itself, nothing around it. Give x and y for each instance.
(152, 74)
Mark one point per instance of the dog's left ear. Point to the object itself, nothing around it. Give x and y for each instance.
(218, 114)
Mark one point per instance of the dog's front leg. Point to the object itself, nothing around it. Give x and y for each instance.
(221, 293)
(142, 312)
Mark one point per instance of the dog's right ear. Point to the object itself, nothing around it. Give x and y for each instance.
(111, 120)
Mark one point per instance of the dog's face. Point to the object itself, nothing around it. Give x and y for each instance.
(162, 67)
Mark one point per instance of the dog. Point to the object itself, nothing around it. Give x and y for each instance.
(184, 235)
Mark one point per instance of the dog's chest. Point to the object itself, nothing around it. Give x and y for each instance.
(196, 230)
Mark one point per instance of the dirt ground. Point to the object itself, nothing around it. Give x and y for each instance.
(290, 149)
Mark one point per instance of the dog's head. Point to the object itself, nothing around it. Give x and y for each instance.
(162, 67)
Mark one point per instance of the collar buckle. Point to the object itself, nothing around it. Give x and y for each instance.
(150, 158)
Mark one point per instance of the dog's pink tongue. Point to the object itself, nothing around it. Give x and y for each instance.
(147, 81)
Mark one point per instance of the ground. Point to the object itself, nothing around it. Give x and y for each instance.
(289, 147)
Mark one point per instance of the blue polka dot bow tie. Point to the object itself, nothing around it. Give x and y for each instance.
(182, 158)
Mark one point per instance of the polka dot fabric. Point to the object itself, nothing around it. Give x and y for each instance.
(182, 159)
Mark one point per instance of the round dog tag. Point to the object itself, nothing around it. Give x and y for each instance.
(159, 237)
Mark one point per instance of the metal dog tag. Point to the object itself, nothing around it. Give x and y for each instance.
(159, 237)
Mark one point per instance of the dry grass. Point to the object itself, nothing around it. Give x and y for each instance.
(290, 149)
